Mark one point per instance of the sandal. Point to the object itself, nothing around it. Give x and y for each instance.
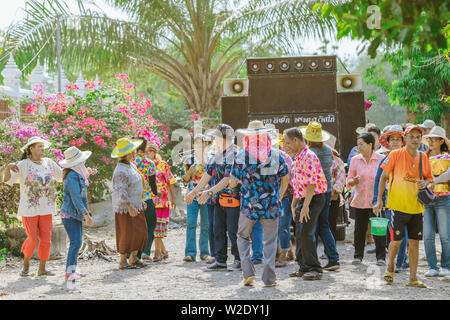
(157, 258)
(389, 277)
(139, 264)
(126, 266)
(280, 264)
(46, 273)
(25, 273)
(188, 259)
(165, 256)
(296, 274)
(417, 284)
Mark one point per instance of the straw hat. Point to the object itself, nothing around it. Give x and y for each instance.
(314, 133)
(73, 156)
(125, 146)
(393, 130)
(438, 132)
(34, 140)
(255, 127)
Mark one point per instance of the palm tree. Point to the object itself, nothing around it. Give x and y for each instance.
(192, 44)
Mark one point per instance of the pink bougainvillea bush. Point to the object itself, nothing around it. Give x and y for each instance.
(95, 122)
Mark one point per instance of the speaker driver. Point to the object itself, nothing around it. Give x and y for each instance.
(284, 65)
(270, 66)
(299, 65)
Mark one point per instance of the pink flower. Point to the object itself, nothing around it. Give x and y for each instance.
(31, 108)
(367, 105)
(196, 116)
(72, 86)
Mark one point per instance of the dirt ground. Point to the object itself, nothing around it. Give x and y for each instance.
(175, 279)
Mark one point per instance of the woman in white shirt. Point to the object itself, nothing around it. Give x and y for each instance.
(37, 176)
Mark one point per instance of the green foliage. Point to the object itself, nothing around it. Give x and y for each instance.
(408, 23)
(2, 254)
(420, 82)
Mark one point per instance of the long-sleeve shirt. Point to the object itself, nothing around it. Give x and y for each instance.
(307, 170)
(127, 188)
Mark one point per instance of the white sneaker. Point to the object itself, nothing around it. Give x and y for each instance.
(432, 273)
(444, 272)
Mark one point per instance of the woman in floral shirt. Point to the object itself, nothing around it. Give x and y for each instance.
(148, 170)
(37, 176)
(437, 213)
(165, 182)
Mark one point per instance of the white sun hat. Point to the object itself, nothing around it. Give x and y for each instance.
(73, 156)
(34, 140)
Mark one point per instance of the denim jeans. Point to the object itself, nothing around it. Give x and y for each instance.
(402, 256)
(212, 248)
(225, 220)
(74, 229)
(191, 230)
(284, 225)
(257, 241)
(323, 230)
(437, 213)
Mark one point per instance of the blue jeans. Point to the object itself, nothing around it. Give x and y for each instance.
(284, 225)
(74, 229)
(257, 241)
(191, 228)
(212, 248)
(322, 229)
(402, 256)
(437, 213)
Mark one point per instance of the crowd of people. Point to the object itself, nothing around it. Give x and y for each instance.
(248, 198)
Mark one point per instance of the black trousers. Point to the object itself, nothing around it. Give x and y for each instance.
(332, 218)
(225, 220)
(305, 237)
(362, 217)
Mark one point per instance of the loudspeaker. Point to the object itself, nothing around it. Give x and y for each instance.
(349, 82)
(293, 93)
(235, 111)
(235, 86)
(351, 112)
(290, 65)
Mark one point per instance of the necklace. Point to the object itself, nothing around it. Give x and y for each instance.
(37, 162)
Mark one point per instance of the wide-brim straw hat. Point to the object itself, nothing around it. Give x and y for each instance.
(314, 132)
(255, 128)
(393, 130)
(124, 147)
(34, 140)
(438, 132)
(73, 156)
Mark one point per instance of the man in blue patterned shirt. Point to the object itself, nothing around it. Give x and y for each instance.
(264, 177)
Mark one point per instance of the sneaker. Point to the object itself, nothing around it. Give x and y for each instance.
(72, 276)
(432, 273)
(217, 266)
(332, 266)
(444, 272)
(249, 281)
(210, 260)
(371, 251)
(81, 275)
(324, 257)
(257, 261)
(356, 261)
(189, 259)
(236, 266)
(147, 259)
(381, 262)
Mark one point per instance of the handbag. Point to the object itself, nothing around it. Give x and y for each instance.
(425, 195)
(227, 201)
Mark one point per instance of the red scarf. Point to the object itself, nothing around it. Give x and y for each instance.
(258, 146)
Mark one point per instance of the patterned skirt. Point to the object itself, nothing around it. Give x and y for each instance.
(162, 221)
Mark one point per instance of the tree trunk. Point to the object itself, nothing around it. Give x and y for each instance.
(410, 116)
